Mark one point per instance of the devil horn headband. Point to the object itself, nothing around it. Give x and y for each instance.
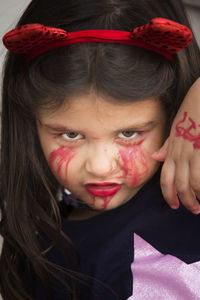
(160, 35)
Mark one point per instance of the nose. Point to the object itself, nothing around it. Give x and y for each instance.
(101, 162)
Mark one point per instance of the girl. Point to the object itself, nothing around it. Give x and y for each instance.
(89, 95)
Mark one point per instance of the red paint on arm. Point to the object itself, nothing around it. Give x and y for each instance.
(186, 134)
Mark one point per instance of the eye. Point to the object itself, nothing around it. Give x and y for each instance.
(128, 134)
(72, 136)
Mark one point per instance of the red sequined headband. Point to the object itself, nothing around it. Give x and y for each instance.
(160, 35)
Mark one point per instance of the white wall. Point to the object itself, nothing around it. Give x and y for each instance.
(10, 10)
(194, 17)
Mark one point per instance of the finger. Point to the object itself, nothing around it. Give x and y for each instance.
(167, 184)
(183, 187)
(195, 178)
(161, 154)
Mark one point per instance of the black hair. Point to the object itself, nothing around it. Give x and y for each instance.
(119, 73)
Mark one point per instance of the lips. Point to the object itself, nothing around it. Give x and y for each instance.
(104, 189)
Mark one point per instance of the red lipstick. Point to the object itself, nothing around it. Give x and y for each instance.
(104, 189)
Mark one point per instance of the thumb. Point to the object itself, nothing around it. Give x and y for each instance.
(161, 154)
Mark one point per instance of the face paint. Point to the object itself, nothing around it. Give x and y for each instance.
(134, 163)
(96, 138)
(186, 134)
(62, 157)
(106, 201)
(125, 158)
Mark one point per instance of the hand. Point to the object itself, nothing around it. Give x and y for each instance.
(180, 172)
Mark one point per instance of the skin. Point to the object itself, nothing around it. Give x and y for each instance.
(189, 132)
(180, 171)
(91, 140)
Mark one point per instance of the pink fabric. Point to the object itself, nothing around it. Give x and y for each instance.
(162, 277)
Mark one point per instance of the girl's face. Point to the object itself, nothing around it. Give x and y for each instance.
(101, 151)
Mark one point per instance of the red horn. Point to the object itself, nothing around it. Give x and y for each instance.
(162, 36)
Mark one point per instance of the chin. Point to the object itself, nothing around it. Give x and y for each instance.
(105, 204)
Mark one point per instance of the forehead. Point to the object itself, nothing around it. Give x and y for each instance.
(92, 109)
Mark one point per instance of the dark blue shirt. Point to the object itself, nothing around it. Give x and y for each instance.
(140, 250)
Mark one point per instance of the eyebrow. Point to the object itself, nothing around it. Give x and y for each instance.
(56, 127)
(137, 126)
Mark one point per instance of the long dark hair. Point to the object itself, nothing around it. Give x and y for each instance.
(28, 189)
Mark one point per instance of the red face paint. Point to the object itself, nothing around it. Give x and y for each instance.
(134, 163)
(96, 138)
(186, 134)
(106, 201)
(61, 156)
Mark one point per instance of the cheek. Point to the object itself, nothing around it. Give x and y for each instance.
(59, 161)
(135, 164)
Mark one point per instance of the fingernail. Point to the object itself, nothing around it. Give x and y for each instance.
(196, 211)
(174, 206)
